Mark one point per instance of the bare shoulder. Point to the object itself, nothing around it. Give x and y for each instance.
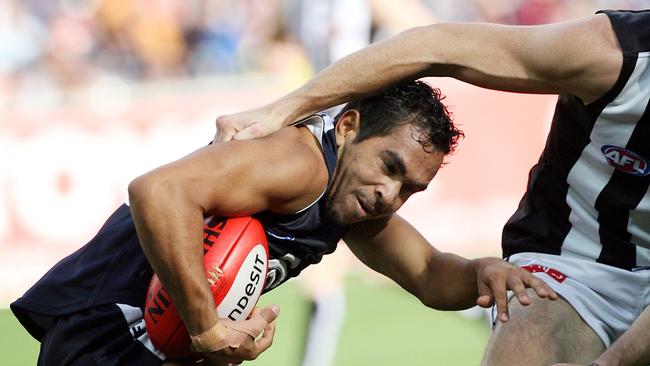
(296, 148)
(297, 166)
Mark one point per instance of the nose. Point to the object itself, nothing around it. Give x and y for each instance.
(388, 198)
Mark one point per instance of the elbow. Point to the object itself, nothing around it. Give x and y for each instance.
(162, 190)
(445, 301)
(150, 189)
(439, 304)
(431, 298)
(430, 303)
(139, 189)
(436, 303)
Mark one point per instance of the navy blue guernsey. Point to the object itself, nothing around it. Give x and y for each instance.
(301, 239)
(112, 267)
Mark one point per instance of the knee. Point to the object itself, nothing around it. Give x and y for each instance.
(527, 331)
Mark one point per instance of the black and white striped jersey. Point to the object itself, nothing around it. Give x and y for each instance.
(587, 196)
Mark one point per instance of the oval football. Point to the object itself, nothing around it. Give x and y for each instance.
(235, 261)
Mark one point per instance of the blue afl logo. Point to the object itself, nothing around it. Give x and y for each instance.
(625, 160)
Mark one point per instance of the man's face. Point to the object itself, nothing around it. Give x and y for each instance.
(374, 177)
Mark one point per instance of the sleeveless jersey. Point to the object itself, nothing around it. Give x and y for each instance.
(112, 267)
(587, 197)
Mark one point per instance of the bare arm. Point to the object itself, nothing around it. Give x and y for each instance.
(169, 204)
(579, 57)
(440, 280)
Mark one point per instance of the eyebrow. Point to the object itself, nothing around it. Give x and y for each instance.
(398, 162)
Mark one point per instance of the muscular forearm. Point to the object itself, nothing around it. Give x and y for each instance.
(170, 233)
(486, 55)
(362, 73)
(452, 283)
(509, 58)
(633, 348)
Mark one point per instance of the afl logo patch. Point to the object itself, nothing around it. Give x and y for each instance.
(625, 160)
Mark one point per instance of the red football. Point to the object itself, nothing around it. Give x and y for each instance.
(235, 260)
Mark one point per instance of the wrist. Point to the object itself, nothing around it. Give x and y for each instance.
(210, 340)
(471, 278)
(300, 104)
(287, 110)
(472, 267)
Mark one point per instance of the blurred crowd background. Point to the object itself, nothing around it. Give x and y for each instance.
(96, 92)
(59, 46)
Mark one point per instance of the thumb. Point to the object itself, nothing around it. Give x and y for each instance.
(484, 299)
(226, 128)
(256, 323)
(224, 134)
(253, 131)
(270, 313)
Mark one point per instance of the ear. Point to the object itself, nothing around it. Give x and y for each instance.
(347, 126)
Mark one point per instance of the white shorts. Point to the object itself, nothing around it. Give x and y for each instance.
(608, 299)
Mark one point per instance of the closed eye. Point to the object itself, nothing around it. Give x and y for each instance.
(393, 163)
(390, 168)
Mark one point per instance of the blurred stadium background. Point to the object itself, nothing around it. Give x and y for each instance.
(95, 92)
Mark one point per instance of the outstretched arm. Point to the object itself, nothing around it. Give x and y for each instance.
(579, 57)
(442, 281)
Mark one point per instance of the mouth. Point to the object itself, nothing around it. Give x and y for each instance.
(365, 210)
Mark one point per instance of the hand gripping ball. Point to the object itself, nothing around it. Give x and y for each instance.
(236, 262)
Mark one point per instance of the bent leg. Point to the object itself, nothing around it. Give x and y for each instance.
(542, 333)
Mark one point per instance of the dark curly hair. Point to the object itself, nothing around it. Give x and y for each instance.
(414, 103)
